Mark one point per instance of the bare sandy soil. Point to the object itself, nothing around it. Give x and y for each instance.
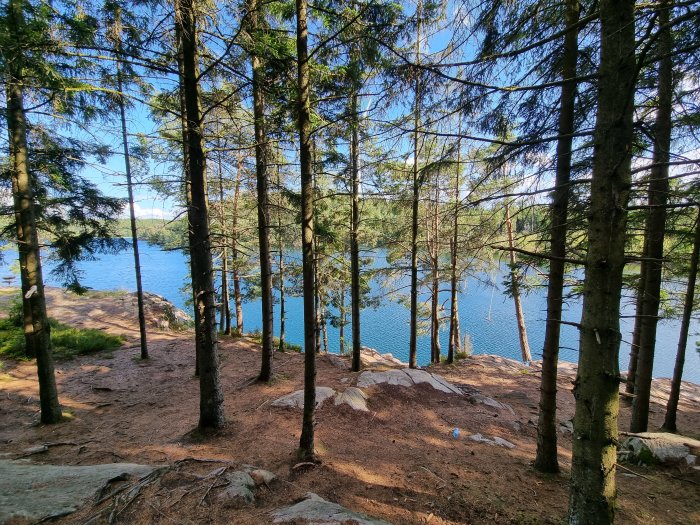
(400, 461)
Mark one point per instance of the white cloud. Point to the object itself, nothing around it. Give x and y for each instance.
(142, 212)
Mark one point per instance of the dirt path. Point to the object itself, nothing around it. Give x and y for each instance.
(400, 461)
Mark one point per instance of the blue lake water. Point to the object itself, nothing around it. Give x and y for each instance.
(485, 313)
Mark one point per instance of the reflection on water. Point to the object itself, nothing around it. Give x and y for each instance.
(485, 314)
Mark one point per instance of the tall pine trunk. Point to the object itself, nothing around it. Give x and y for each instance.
(306, 441)
(672, 405)
(261, 170)
(453, 345)
(413, 335)
(280, 241)
(237, 298)
(211, 400)
(37, 332)
(655, 227)
(225, 312)
(546, 458)
(592, 490)
(354, 232)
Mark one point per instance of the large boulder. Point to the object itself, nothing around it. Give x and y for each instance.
(659, 448)
(354, 398)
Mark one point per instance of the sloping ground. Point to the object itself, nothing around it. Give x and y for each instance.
(400, 461)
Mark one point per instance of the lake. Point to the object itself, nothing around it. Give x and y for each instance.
(485, 313)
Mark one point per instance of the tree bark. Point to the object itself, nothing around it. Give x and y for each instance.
(280, 240)
(211, 413)
(37, 332)
(546, 457)
(413, 342)
(306, 441)
(634, 346)
(261, 170)
(225, 317)
(453, 345)
(596, 389)
(130, 194)
(672, 405)
(655, 227)
(435, 300)
(519, 315)
(354, 233)
(237, 299)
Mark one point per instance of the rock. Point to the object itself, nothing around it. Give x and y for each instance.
(354, 398)
(434, 380)
(495, 441)
(370, 358)
(566, 426)
(296, 399)
(41, 492)
(390, 377)
(659, 447)
(262, 477)
(317, 511)
(481, 399)
(338, 361)
(240, 489)
(39, 449)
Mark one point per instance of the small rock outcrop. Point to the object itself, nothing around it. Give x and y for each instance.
(495, 441)
(406, 377)
(240, 489)
(296, 399)
(313, 509)
(659, 448)
(354, 398)
(42, 492)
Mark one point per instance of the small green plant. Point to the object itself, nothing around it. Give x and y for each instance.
(288, 347)
(67, 341)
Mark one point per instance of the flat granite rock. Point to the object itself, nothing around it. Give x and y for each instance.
(406, 377)
(40, 492)
(317, 511)
(296, 399)
(354, 398)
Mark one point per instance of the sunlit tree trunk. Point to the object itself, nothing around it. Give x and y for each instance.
(672, 405)
(261, 169)
(37, 332)
(413, 341)
(237, 299)
(306, 441)
(596, 389)
(211, 413)
(515, 290)
(354, 232)
(655, 227)
(546, 458)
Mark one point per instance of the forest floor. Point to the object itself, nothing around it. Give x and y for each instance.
(400, 461)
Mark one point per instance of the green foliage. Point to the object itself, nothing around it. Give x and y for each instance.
(67, 341)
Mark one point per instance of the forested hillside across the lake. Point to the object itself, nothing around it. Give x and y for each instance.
(281, 146)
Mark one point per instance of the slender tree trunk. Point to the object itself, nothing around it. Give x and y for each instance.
(354, 233)
(546, 458)
(413, 343)
(655, 227)
(306, 441)
(237, 299)
(261, 170)
(453, 345)
(519, 315)
(132, 214)
(435, 303)
(672, 405)
(634, 346)
(596, 389)
(280, 240)
(342, 317)
(186, 164)
(37, 332)
(324, 327)
(211, 413)
(317, 296)
(225, 319)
